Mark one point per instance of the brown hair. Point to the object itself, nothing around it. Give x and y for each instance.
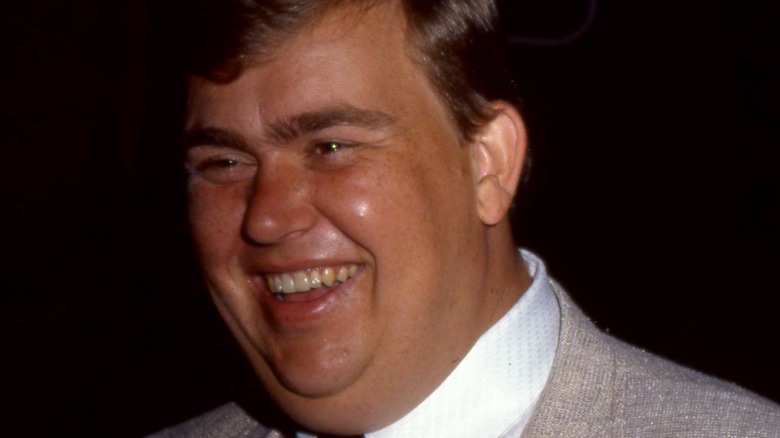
(458, 42)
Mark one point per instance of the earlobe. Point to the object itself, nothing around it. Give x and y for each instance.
(499, 151)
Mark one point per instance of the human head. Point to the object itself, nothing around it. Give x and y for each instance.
(459, 43)
(335, 151)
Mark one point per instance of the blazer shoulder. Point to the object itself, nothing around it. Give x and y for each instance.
(226, 421)
(601, 386)
(656, 397)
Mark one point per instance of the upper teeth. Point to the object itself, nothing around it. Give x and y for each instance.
(302, 281)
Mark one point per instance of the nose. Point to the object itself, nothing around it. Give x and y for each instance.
(278, 206)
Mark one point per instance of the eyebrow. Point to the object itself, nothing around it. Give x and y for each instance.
(291, 128)
(309, 122)
(213, 136)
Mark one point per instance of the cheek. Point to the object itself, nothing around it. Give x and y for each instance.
(215, 216)
(369, 204)
(415, 193)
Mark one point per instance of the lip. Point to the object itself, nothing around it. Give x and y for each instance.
(304, 308)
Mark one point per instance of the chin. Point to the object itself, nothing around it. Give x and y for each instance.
(316, 383)
(303, 374)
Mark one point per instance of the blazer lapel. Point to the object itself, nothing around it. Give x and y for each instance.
(578, 398)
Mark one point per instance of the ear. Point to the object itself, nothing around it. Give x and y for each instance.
(499, 151)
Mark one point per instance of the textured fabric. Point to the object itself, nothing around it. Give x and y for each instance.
(598, 387)
(493, 389)
(226, 421)
(602, 387)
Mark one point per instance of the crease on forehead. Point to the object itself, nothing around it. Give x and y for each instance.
(347, 14)
(350, 14)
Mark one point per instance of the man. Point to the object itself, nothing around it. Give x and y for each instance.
(351, 166)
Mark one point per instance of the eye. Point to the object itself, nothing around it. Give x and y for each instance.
(217, 163)
(219, 167)
(330, 147)
(334, 154)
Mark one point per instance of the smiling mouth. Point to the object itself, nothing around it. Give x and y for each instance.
(287, 283)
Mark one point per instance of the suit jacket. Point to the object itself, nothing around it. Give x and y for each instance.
(598, 387)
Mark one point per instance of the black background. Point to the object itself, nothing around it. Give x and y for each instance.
(652, 197)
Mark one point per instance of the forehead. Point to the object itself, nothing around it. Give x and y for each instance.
(347, 55)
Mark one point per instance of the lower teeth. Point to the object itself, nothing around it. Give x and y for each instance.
(279, 296)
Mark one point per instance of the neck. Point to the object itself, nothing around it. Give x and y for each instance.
(507, 277)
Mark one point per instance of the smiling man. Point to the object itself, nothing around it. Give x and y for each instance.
(351, 166)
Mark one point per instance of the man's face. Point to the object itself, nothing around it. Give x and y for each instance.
(335, 154)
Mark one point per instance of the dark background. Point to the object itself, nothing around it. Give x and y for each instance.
(652, 197)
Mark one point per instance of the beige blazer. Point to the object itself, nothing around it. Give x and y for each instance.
(602, 387)
(598, 387)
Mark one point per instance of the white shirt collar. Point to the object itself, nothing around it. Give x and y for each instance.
(493, 391)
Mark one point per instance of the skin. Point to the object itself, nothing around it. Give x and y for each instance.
(336, 150)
